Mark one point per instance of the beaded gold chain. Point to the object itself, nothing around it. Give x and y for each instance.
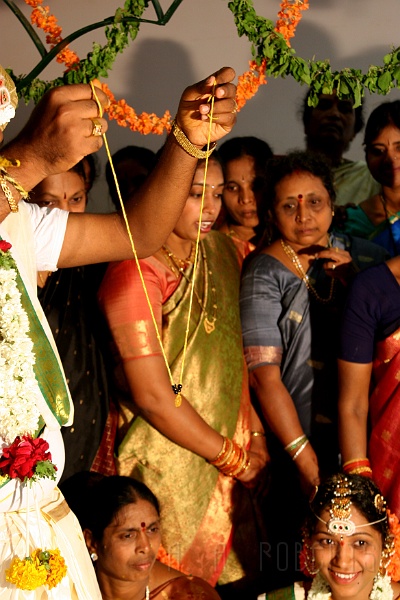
(176, 387)
(303, 275)
(178, 267)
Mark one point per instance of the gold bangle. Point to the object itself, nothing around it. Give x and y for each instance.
(187, 145)
(360, 470)
(8, 194)
(257, 433)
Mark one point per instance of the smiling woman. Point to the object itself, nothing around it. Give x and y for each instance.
(349, 545)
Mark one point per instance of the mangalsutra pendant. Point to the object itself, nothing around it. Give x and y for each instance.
(209, 325)
(177, 388)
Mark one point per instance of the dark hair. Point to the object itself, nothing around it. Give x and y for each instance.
(97, 499)
(365, 496)
(306, 112)
(143, 156)
(93, 170)
(215, 156)
(387, 113)
(281, 166)
(251, 146)
(79, 169)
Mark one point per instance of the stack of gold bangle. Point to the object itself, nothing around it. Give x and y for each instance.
(232, 460)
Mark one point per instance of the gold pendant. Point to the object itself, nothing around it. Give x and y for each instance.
(209, 326)
(178, 400)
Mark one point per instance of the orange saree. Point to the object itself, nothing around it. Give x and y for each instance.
(200, 507)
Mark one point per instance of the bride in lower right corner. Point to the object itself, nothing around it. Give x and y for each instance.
(351, 545)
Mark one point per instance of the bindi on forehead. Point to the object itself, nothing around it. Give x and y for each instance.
(143, 526)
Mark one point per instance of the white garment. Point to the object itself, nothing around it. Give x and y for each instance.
(37, 235)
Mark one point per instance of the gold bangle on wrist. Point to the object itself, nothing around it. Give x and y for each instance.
(187, 145)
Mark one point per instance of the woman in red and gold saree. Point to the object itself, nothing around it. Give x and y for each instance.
(209, 523)
(369, 408)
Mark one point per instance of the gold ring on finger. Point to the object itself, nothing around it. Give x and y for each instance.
(235, 108)
(97, 128)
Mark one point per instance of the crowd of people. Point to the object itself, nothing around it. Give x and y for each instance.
(212, 413)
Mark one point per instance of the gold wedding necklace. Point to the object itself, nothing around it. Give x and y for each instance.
(176, 387)
(303, 275)
(178, 266)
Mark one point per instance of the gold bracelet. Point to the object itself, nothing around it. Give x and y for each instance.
(187, 145)
(8, 194)
(257, 434)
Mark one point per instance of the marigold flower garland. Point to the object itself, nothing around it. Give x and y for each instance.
(24, 457)
(249, 82)
(42, 18)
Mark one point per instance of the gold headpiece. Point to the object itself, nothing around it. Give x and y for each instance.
(340, 522)
(8, 99)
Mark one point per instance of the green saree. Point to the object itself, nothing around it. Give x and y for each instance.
(199, 506)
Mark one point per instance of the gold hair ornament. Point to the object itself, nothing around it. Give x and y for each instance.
(340, 522)
(176, 387)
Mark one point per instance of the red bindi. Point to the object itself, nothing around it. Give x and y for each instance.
(300, 197)
(143, 526)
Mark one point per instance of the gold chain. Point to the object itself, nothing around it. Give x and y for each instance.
(303, 275)
(178, 267)
(177, 388)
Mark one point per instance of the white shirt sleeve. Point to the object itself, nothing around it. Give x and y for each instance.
(49, 226)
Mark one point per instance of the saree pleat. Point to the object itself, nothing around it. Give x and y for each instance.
(384, 443)
(197, 503)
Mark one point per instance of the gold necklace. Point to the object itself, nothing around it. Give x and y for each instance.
(388, 213)
(303, 275)
(176, 264)
(179, 270)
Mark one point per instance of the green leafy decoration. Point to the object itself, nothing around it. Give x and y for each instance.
(282, 61)
(119, 31)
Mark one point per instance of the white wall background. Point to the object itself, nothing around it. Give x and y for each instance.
(200, 38)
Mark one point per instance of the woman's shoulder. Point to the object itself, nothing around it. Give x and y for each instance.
(174, 582)
(264, 262)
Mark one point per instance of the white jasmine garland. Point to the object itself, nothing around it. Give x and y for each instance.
(381, 590)
(18, 386)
